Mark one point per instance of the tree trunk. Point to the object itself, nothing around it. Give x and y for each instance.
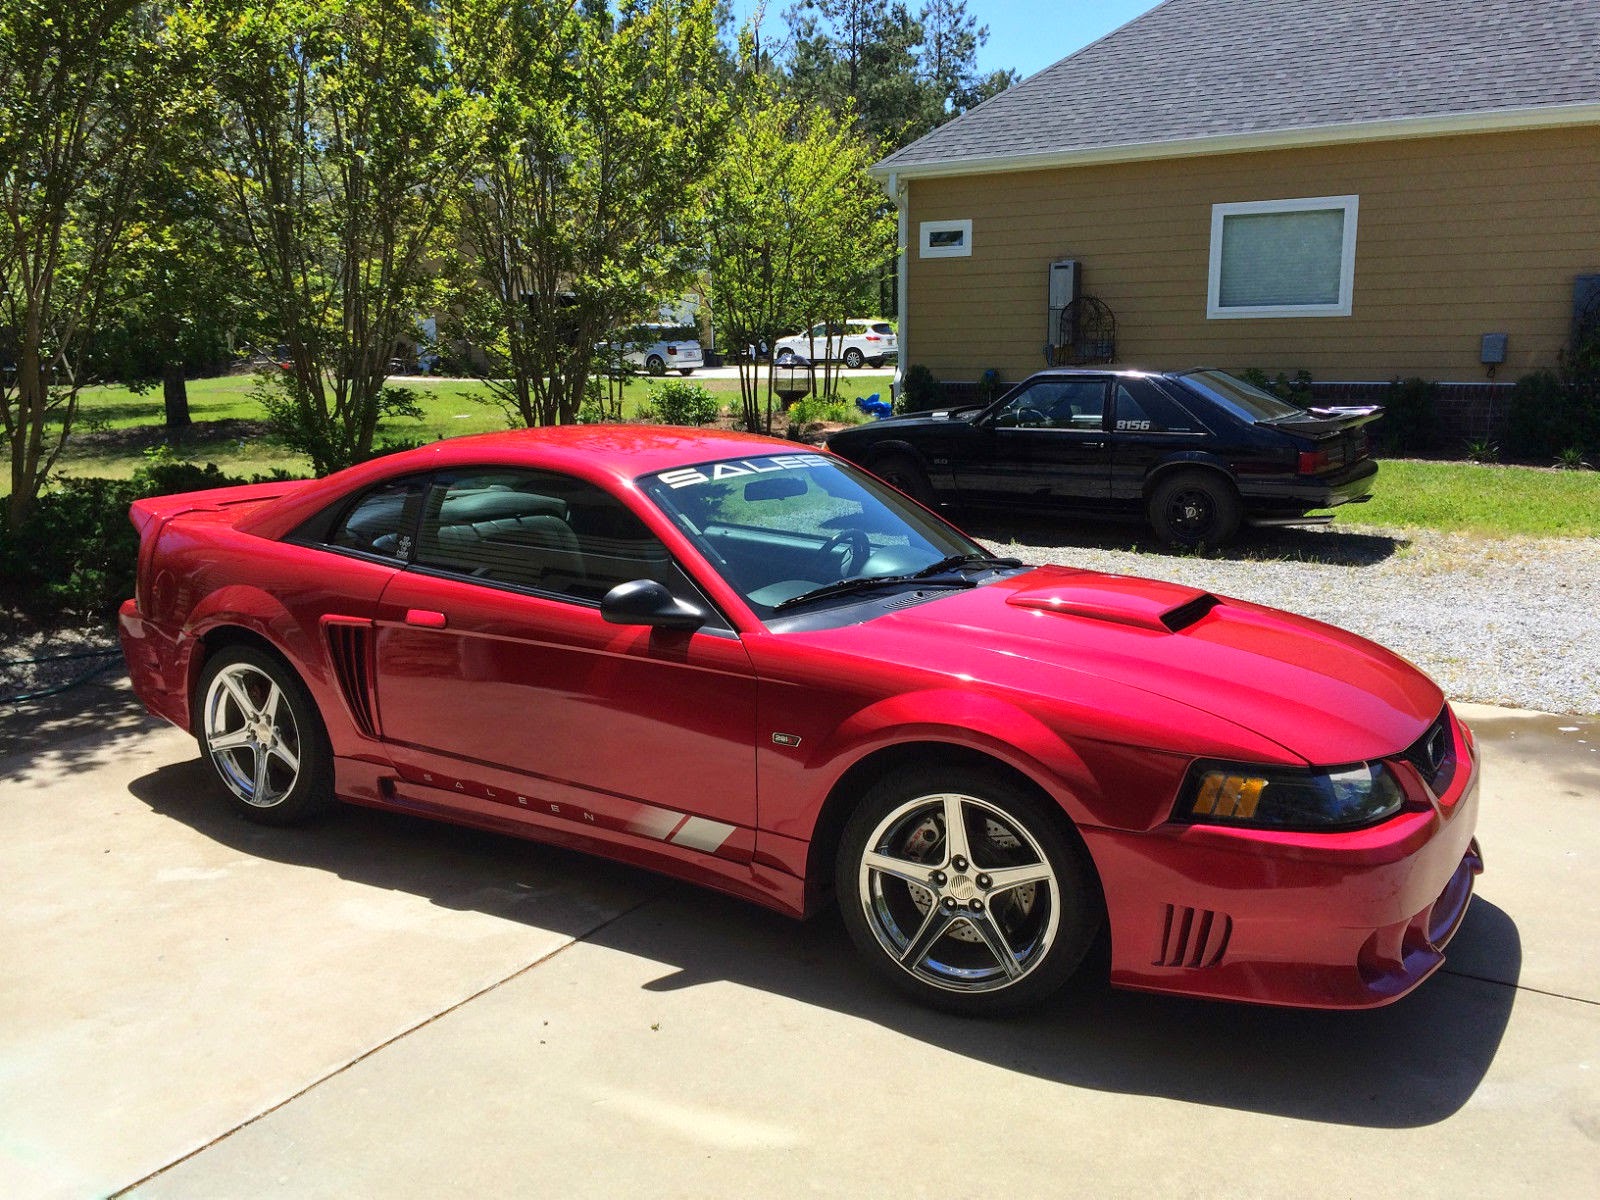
(175, 395)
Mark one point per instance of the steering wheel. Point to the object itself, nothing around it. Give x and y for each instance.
(856, 552)
(1031, 416)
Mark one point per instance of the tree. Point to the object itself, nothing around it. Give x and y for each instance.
(343, 133)
(602, 126)
(795, 226)
(184, 293)
(951, 39)
(901, 74)
(87, 89)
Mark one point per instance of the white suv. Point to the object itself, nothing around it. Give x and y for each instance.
(658, 349)
(858, 342)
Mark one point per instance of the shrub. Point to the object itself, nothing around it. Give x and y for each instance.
(683, 403)
(812, 409)
(1556, 411)
(919, 389)
(77, 554)
(1408, 415)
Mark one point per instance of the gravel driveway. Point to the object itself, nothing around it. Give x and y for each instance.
(1513, 622)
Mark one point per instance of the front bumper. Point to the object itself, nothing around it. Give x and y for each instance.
(1335, 921)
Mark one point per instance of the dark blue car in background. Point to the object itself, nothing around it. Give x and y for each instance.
(1195, 452)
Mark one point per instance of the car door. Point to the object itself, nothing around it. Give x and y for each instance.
(499, 681)
(1044, 448)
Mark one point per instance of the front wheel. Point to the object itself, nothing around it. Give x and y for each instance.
(965, 891)
(686, 371)
(260, 733)
(906, 474)
(854, 359)
(1194, 509)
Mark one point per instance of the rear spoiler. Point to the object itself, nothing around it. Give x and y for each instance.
(155, 511)
(1321, 421)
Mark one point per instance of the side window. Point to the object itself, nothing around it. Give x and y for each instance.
(539, 530)
(382, 521)
(1148, 410)
(1058, 404)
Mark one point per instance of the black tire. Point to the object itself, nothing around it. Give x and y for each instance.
(854, 359)
(1194, 510)
(874, 363)
(686, 371)
(655, 365)
(904, 472)
(943, 931)
(239, 724)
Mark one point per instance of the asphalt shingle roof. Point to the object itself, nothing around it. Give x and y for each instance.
(1215, 68)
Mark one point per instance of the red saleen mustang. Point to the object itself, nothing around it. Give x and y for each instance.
(759, 668)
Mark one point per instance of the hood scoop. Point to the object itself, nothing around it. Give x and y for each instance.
(1142, 603)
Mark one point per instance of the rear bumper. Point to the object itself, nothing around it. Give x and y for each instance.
(157, 666)
(1332, 921)
(1301, 493)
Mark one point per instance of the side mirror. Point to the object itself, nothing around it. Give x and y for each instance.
(646, 602)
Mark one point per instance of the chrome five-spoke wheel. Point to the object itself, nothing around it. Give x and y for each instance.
(969, 894)
(261, 735)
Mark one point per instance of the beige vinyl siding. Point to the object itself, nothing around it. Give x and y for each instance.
(1457, 237)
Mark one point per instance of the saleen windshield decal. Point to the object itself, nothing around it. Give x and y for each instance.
(735, 468)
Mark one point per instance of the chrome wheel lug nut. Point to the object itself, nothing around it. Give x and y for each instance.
(985, 882)
(949, 901)
(937, 879)
(976, 906)
(959, 863)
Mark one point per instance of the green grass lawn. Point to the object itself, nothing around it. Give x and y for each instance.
(450, 409)
(1493, 501)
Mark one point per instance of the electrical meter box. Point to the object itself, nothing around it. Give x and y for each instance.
(1066, 282)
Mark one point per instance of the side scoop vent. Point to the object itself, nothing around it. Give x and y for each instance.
(350, 649)
(1193, 937)
(1186, 615)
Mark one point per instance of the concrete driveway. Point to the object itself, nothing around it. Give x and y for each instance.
(192, 1006)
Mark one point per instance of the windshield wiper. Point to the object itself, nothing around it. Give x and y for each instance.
(867, 583)
(967, 562)
(956, 562)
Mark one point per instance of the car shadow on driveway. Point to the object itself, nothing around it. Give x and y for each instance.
(1329, 545)
(1411, 1064)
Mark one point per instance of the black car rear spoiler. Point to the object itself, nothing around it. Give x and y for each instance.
(1322, 420)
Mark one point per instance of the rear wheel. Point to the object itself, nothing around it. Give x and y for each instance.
(1194, 509)
(260, 732)
(655, 365)
(965, 891)
(854, 359)
(905, 473)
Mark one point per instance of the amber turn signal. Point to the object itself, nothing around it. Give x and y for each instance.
(1224, 795)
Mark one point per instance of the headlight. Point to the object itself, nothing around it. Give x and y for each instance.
(1285, 798)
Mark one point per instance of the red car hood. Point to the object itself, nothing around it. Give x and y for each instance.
(1323, 694)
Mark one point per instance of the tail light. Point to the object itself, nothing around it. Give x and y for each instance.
(872, 337)
(674, 350)
(1312, 461)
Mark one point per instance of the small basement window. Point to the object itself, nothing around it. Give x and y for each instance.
(1283, 258)
(946, 239)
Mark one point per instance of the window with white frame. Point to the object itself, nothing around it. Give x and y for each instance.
(1283, 258)
(946, 239)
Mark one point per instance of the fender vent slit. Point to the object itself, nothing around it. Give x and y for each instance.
(1193, 937)
(350, 649)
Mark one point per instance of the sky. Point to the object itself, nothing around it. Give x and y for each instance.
(1025, 35)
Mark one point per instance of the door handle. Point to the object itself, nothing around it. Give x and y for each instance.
(426, 618)
(1093, 445)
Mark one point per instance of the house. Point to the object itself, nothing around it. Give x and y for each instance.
(1362, 189)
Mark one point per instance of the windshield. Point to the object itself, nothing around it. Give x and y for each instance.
(781, 526)
(1243, 400)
